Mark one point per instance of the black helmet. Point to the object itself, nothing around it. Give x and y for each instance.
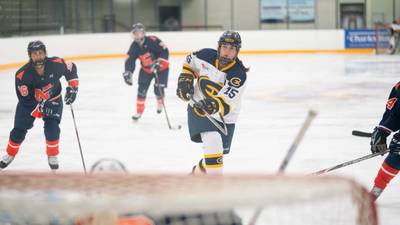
(137, 27)
(232, 38)
(34, 46)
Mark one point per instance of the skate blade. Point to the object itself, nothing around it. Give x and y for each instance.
(135, 119)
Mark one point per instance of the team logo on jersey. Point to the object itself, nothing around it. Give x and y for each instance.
(23, 90)
(146, 59)
(390, 103)
(43, 94)
(220, 160)
(236, 82)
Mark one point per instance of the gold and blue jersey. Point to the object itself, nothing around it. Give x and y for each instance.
(226, 84)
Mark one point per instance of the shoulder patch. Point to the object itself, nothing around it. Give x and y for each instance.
(235, 82)
(153, 38)
(58, 60)
(390, 103)
(20, 75)
(236, 77)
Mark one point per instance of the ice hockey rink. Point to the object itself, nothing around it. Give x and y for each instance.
(348, 92)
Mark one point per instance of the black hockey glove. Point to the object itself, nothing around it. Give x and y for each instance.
(127, 77)
(209, 105)
(378, 140)
(49, 109)
(185, 87)
(394, 145)
(70, 95)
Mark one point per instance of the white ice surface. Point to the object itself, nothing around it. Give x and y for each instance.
(348, 91)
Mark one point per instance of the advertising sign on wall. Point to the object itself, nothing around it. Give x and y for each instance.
(276, 11)
(365, 38)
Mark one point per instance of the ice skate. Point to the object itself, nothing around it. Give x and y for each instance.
(136, 117)
(376, 192)
(159, 108)
(53, 162)
(160, 104)
(199, 169)
(6, 160)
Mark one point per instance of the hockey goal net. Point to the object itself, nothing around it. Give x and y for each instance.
(109, 199)
(385, 39)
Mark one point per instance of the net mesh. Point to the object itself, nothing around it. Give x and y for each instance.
(34, 198)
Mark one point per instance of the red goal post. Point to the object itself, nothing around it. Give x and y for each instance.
(40, 198)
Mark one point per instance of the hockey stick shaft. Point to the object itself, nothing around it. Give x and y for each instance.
(77, 136)
(163, 96)
(224, 129)
(351, 162)
(361, 133)
(311, 115)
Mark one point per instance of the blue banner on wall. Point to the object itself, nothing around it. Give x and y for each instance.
(365, 38)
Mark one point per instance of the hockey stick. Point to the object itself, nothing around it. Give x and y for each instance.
(348, 163)
(77, 136)
(164, 107)
(361, 133)
(311, 115)
(224, 129)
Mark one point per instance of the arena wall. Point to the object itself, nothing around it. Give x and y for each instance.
(114, 45)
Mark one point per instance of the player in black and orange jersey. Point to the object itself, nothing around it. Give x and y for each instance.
(389, 123)
(38, 89)
(153, 55)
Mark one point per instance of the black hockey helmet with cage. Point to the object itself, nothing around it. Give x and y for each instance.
(232, 38)
(138, 27)
(35, 46)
